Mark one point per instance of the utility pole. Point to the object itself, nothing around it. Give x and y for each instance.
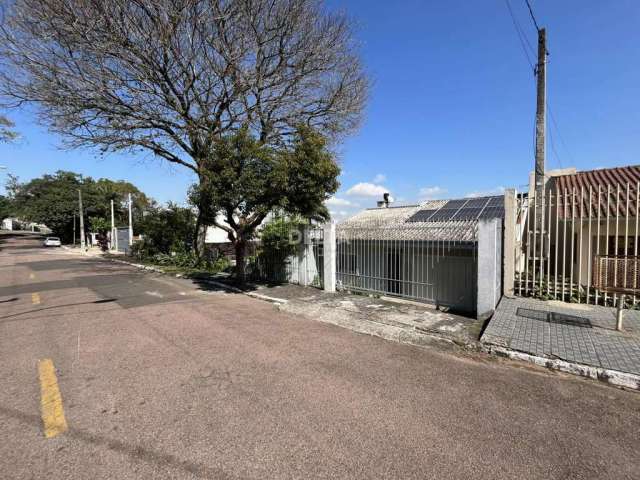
(541, 72)
(74, 229)
(539, 197)
(113, 228)
(81, 211)
(130, 224)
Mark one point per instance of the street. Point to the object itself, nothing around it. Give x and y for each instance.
(159, 378)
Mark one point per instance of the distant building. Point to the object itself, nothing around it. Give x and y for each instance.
(17, 224)
(8, 224)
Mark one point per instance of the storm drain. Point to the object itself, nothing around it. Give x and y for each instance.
(554, 317)
(533, 314)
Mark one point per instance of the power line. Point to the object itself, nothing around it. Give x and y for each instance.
(533, 17)
(553, 148)
(555, 124)
(524, 41)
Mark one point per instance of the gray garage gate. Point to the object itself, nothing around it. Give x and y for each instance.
(426, 252)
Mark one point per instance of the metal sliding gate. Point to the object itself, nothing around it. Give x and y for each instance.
(567, 240)
(405, 263)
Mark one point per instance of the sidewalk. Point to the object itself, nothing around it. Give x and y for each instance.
(394, 319)
(90, 251)
(578, 334)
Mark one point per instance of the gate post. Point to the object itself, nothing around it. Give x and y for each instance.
(489, 279)
(509, 250)
(307, 268)
(330, 247)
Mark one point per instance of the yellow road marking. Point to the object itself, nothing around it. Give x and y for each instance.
(50, 400)
(35, 298)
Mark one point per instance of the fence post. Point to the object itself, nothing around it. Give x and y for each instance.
(330, 247)
(509, 250)
(307, 268)
(302, 257)
(489, 267)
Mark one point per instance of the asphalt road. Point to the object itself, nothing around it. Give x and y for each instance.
(159, 379)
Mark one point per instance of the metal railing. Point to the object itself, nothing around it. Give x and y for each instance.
(297, 257)
(559, 235)
(411, 263)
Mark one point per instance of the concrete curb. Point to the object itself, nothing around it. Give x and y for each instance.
(230, 288)
(249, 294)
(612, 377)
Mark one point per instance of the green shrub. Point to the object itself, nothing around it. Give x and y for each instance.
(221, 264)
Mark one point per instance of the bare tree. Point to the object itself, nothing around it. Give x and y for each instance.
(173, 76)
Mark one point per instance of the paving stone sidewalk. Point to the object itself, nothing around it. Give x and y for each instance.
(583, 334)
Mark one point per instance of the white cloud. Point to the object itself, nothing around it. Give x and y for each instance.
(340, 202)
(365, 189)
(486, 193)
(379, 178)
(432, 193)
(340, 215)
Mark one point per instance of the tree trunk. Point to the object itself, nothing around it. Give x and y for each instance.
(241, 273)
(199, 236)
(196, 234)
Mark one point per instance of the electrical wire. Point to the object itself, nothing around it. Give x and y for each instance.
(533, 17)
(555, 125)
(553, 148)
(524, 41)
(529, 52)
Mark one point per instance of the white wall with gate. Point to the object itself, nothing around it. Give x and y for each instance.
(465, 275)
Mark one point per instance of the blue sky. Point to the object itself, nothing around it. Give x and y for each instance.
(452, 105)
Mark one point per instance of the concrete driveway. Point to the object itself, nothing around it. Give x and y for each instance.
(158, 379)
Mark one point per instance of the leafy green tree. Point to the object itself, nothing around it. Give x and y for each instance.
(246, 179)
(50, 199)
(118, 191)
(6, 207)
(53, 200)
(100, 226)
(167, 229)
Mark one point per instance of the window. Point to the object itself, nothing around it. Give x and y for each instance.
(630, 244)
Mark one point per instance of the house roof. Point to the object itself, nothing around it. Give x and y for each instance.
(447, 220)
(597, 178)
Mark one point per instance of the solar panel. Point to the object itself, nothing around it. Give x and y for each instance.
(477, 202)
(454, 204)
(463, 210)
(492, 212)
(443, 215)
(468, 214)
(421, 216)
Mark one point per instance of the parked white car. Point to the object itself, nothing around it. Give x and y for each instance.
(52, 242)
